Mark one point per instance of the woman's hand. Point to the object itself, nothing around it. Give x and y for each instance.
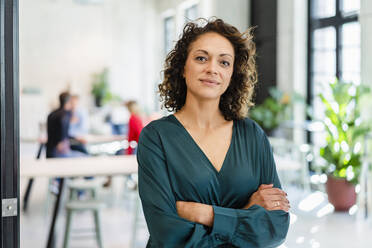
(269, 198)
(196, 212)
(63, 147)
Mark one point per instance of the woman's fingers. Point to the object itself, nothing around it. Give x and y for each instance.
(270, 186)
(265, 186)
(274, 199)
(273, 191)
(277, 198)
(180, 204)
(279, 205)
(272, 204)
(271, 198)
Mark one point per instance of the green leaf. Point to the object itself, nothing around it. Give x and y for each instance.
(347, 113)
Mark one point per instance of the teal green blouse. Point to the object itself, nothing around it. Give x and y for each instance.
(172, 167)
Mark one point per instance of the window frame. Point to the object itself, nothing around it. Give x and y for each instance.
(168, 33)
(188, 10)
(336, 21)
(9, 120)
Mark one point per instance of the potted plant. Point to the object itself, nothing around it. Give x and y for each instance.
(274, 110)
(345, 130)
(100, 87)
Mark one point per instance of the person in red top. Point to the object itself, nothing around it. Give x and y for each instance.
(135, 126)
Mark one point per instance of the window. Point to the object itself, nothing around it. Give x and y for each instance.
(334, 45)
(191, 13)
(169, 30)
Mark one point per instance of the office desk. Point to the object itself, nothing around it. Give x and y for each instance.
(75, 167)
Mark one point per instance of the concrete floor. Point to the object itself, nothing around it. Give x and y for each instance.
(116, 219)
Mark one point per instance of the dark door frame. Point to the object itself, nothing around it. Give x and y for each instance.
(9, 121)
(264, 19)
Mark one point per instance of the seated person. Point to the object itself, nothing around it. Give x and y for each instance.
(78, 126)
(134, 129)
(58, 143)
(58, 123)
(134, 126)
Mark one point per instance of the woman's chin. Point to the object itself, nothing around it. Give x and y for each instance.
(209, 96)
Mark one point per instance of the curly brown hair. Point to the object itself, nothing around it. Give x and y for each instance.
(237, 99)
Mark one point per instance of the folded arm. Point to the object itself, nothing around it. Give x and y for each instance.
(266, 196)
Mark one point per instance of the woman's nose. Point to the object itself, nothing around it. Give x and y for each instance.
(212, 67)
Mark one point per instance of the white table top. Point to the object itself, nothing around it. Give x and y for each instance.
(91, 139)
(80, 166)
(102, 166)
(97, 139)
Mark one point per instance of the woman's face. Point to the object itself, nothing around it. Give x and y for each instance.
(209, 66)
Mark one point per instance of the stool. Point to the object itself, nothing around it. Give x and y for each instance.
(77, 185)
(77, 205)
(89, 205)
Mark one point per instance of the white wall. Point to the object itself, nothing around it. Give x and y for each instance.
(366, 41)
(366, 53)
(63, 43)
(135, 48)
(292, 54)
(235, 12)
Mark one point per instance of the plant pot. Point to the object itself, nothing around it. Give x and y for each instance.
(98, 101)
(341, 193)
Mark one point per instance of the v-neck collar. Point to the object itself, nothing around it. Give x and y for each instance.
(218, 172)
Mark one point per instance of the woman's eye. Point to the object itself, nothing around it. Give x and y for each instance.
(225, 63)
(201, 58)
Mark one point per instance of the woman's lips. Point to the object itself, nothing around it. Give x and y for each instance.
(209, 82)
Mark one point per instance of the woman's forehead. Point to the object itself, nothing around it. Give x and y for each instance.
(212, 43)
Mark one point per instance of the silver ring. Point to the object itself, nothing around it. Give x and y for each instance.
(277, 204)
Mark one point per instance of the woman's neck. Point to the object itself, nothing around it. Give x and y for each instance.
(201, 114)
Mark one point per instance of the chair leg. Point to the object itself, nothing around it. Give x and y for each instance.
(74, 194)
(67, 229)
(97, 223)
(137, 208)
(49, 196)
(94, 194)
(27, 194)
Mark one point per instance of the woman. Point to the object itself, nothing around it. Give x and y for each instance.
(207, 177)
(134, 125)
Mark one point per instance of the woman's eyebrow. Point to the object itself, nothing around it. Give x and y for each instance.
(221, 55)
(226, 54)
(201, 50)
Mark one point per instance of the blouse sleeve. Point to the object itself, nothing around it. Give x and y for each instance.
(166, 228)
(253, 227)
(256, 226)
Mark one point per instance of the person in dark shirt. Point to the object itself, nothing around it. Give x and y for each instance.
(57, 128)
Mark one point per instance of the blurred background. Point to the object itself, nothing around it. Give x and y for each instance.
(313, 100)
